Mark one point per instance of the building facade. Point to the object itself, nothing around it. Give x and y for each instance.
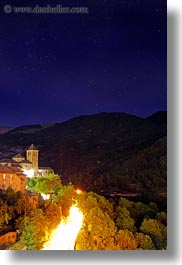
(44, 171)
(12, 177)
(30, 164)
(33, 156)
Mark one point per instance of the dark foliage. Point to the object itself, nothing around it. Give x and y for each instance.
(101, 151)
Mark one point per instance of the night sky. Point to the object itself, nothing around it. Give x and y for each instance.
(57, 66)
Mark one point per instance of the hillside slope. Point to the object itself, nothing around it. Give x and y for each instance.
(90, 146)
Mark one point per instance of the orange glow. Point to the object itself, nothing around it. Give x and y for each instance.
(78, 191)
(64, 236)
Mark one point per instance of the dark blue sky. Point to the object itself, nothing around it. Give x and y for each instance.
(57, 66)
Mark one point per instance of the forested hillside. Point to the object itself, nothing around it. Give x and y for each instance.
(101, 151)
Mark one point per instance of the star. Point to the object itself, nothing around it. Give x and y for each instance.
(27, 43)
(102, 57)
(108, 18)
(90, 83)
(30, 55)
(18, 92)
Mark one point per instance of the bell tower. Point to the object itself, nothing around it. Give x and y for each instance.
(33, 156)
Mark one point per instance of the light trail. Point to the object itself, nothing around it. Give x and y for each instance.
(64, 236)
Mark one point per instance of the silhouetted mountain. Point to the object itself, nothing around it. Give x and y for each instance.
(5, 129)
(86, 148)
(159, 117)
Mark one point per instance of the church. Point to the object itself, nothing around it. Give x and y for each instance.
(29, 165)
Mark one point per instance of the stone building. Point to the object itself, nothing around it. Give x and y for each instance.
(12, 177)
(30, 164)
(43, 171)
(33, 156)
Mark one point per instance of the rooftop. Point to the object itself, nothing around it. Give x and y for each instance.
(45, 168)
(10, 162)
(18, 156)
(25, 161)
(32, 147)
(9, 169)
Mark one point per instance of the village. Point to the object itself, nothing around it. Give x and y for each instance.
(14, 174)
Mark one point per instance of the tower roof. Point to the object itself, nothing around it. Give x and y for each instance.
(32, 147)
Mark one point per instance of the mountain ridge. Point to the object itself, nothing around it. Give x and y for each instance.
(88, 145)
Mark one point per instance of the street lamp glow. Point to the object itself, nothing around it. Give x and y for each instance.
(78, 191)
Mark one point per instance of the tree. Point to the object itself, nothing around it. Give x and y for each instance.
(125, 240)
(123, 202)
(34, 231)
(156, 231)
(98, 231)
(144, 242)
(52, 213)
(46, 185)
(139, 211)
(101, 201)
(6, 214)
(123, 220)
(162, 218)
(65, 198)
(11, 196)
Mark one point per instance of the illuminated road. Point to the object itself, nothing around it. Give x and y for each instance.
(64, 236)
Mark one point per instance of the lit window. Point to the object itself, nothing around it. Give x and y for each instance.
(4, 176)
